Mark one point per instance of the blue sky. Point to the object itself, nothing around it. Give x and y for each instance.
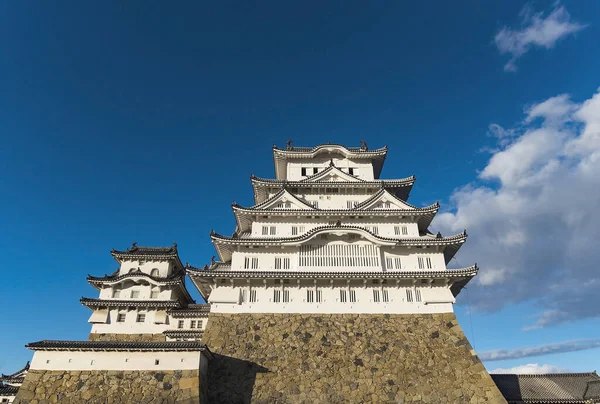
(141, 121)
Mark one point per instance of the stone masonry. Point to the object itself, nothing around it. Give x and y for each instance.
(127, 337)
(110, 386)
(341, 358)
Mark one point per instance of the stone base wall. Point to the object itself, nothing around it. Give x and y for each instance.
(340, 358)
(127, 337)
(110, 386)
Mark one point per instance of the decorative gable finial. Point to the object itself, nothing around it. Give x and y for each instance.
(331, 163)
(363, 145)
(212, 260)
(288, 145)
(438, 235)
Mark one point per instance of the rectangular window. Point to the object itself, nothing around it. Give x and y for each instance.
(265, 230)
(310, 296)
(397, 230)
(351, 170)
(315, 170)
(141, 317)
(154, 294)
(303, 171)
(282, 263)
(387, 205)
(193, 324)
(375, 230)
(180, 324)
(319, 296)
(421, 263)
(428, 261)
(351, 204)
(409, 295)
(286, 296)
(405, 230)
(385, 295)
(121, 318)
(200, 323)
(252, 296)
(376, 296)
(279, 205)
(250, 263)
(247, 263)
(294, 230)
(388, 263)
(135, 294)
(272, 230)
(343, 296)
(254, 263)
(417, 295)
(244, 295)
(315, 204)
(116, 294)
(397, 263)
(352, 296)
(276, 295)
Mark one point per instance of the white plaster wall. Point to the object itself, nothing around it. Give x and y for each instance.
(6, 399)
(130, 325)
(363, 169)
(164, 267)
(187, 323)
(143, 286)
(409, 259)
(433, 300)
(66, 360)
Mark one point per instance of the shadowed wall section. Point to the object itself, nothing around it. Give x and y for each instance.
(335, 358)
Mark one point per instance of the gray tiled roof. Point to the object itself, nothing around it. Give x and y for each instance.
(549, 388)
(6, 390)
(52, 345)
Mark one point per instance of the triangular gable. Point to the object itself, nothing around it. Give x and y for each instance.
(332, 174)
(384, 200)
(284, 200)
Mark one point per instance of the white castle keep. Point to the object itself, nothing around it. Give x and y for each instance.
(327, 235)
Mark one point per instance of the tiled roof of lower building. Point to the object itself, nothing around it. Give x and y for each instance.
(6, 390)
(52, 345)
(549, 388)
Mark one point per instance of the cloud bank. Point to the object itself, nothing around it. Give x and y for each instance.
(530, 369)
(534, 214)
(536, 30)
(540, 350)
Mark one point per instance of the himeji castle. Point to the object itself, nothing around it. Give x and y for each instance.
(327, 235)
(331, 289)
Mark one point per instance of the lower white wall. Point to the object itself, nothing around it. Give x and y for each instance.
(71, 360)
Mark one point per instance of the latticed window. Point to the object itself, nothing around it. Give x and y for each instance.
(388, 263)
(343, 296)
(135, 294)
(265, 230)
(116, 293)
(310, 296)
(385, 295)
(319, 296)
(418, 295)
(180, 324)
(409, 295)
(398, 262)
(404, 230)
(286, 296)
(252, 296)
(121, 318)
(154, 294)
(193, 324)
(282, 263)
(276, 295)
(251, 263)
(351, 204)
(141, 317)
(200, 323)
(376, 296)
(352, 296)
(339, 255)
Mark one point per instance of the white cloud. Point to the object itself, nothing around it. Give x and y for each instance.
(540, 350)
(530, 369)
(536, 30)
(533, 216)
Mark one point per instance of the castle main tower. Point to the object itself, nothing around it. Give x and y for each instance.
(332, 288)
